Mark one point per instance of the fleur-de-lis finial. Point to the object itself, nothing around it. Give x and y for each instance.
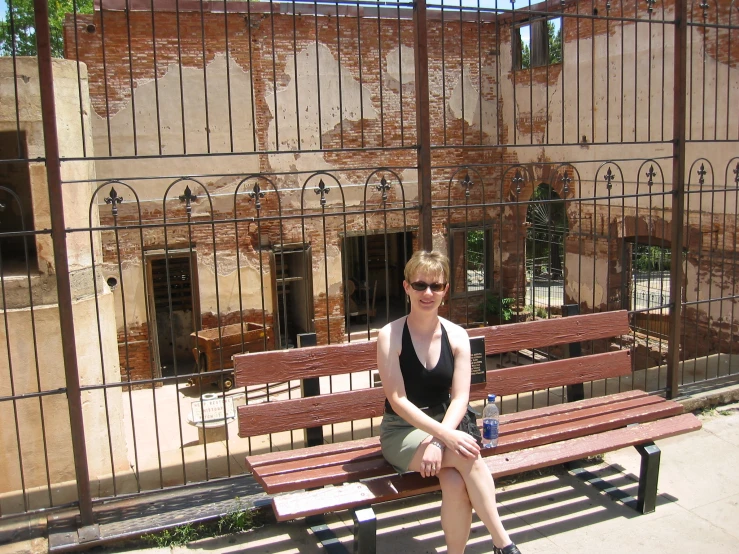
(608, 6)
(650, 5)
(383, 187)
(701, 175)
(187, 198)
(257, 194)
(609, 178)
(566, 180)
(113, 199)
(323, 190)
(736, 174)
(467, 184)
(650, 176)
(704, 7)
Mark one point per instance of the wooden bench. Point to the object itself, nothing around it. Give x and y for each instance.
(528, 440)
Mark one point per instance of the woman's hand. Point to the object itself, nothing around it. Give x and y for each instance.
(462, 444)
(431, 460)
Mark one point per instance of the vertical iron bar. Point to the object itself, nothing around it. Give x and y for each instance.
(156, 85)
(318, 76)
(61, 262)
(678, 197)
(443, 75)
(379, 78)
(423, 124)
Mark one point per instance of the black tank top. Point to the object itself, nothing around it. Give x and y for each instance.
(426, 387)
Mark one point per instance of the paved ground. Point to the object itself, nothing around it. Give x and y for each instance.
(698, 509)
(697, 512)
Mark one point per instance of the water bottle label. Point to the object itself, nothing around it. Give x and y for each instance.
(490, 429)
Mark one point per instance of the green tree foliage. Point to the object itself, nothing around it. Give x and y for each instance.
(652, 258)
(18, 30)
(525, 56)
(555, 46)
(555, 43)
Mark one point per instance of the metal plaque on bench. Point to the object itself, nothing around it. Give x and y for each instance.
(477, 358)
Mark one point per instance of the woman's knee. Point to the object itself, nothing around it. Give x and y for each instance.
(460, 463)
(453, 484)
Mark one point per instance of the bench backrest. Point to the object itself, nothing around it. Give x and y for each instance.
(337, 359)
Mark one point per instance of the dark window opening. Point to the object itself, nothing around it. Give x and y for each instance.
(16, 206)
(471, 257)
(373, 277)
(175, 310)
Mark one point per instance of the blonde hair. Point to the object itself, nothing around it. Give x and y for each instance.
(432, 262)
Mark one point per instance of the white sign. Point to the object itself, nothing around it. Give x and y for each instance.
(212, 410)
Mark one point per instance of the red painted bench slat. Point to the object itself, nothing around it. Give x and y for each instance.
(334, 359)
(326, 470)
(291, 506)
(307, 454)
(298, 413)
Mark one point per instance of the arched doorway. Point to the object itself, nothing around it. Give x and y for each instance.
(546, 218)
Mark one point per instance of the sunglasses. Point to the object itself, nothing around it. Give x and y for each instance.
(420, 286)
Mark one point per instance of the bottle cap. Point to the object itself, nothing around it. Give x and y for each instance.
(491, 398)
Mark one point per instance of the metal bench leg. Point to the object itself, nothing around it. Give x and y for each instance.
(331, 544)
(365, 530)
(648, 475)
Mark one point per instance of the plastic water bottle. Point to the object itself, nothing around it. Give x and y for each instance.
(490, 416)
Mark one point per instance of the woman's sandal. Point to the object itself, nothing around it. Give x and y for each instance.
(510, 549)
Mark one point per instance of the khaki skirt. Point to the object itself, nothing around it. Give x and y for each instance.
(400, 440)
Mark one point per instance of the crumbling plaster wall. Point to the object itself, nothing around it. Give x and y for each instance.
(635, 108)
(37, 431)
(352, 105)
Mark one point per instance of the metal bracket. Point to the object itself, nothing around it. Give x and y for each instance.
(330, 542)
(88, 533)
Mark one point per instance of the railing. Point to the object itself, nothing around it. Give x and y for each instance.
(221, 176)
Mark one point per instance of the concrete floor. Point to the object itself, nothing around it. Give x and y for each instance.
(697, 512)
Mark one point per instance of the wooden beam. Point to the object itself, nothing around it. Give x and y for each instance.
(335, 359)
(298, 413)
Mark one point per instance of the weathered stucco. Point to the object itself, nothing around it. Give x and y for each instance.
(40, 428)
(160, 113)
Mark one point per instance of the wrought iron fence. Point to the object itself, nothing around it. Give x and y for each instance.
(209, 178)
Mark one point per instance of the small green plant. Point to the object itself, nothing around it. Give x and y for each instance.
(177, 536)
(500, 307)
(238, 519)
(542, 313)
(713, 411)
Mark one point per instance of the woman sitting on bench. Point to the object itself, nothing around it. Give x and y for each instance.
(424, 363)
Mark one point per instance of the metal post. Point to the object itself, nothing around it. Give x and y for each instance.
(59, 240)
(365, 530)
(310, 387)
(423, 124)
(574, 350)
(646, 501)
(678, 196)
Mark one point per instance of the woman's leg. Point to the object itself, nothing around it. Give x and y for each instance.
(456, 510)
(481, 491)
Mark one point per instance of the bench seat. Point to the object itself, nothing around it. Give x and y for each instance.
(333, 464)
(391, 487)
(353, 474)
